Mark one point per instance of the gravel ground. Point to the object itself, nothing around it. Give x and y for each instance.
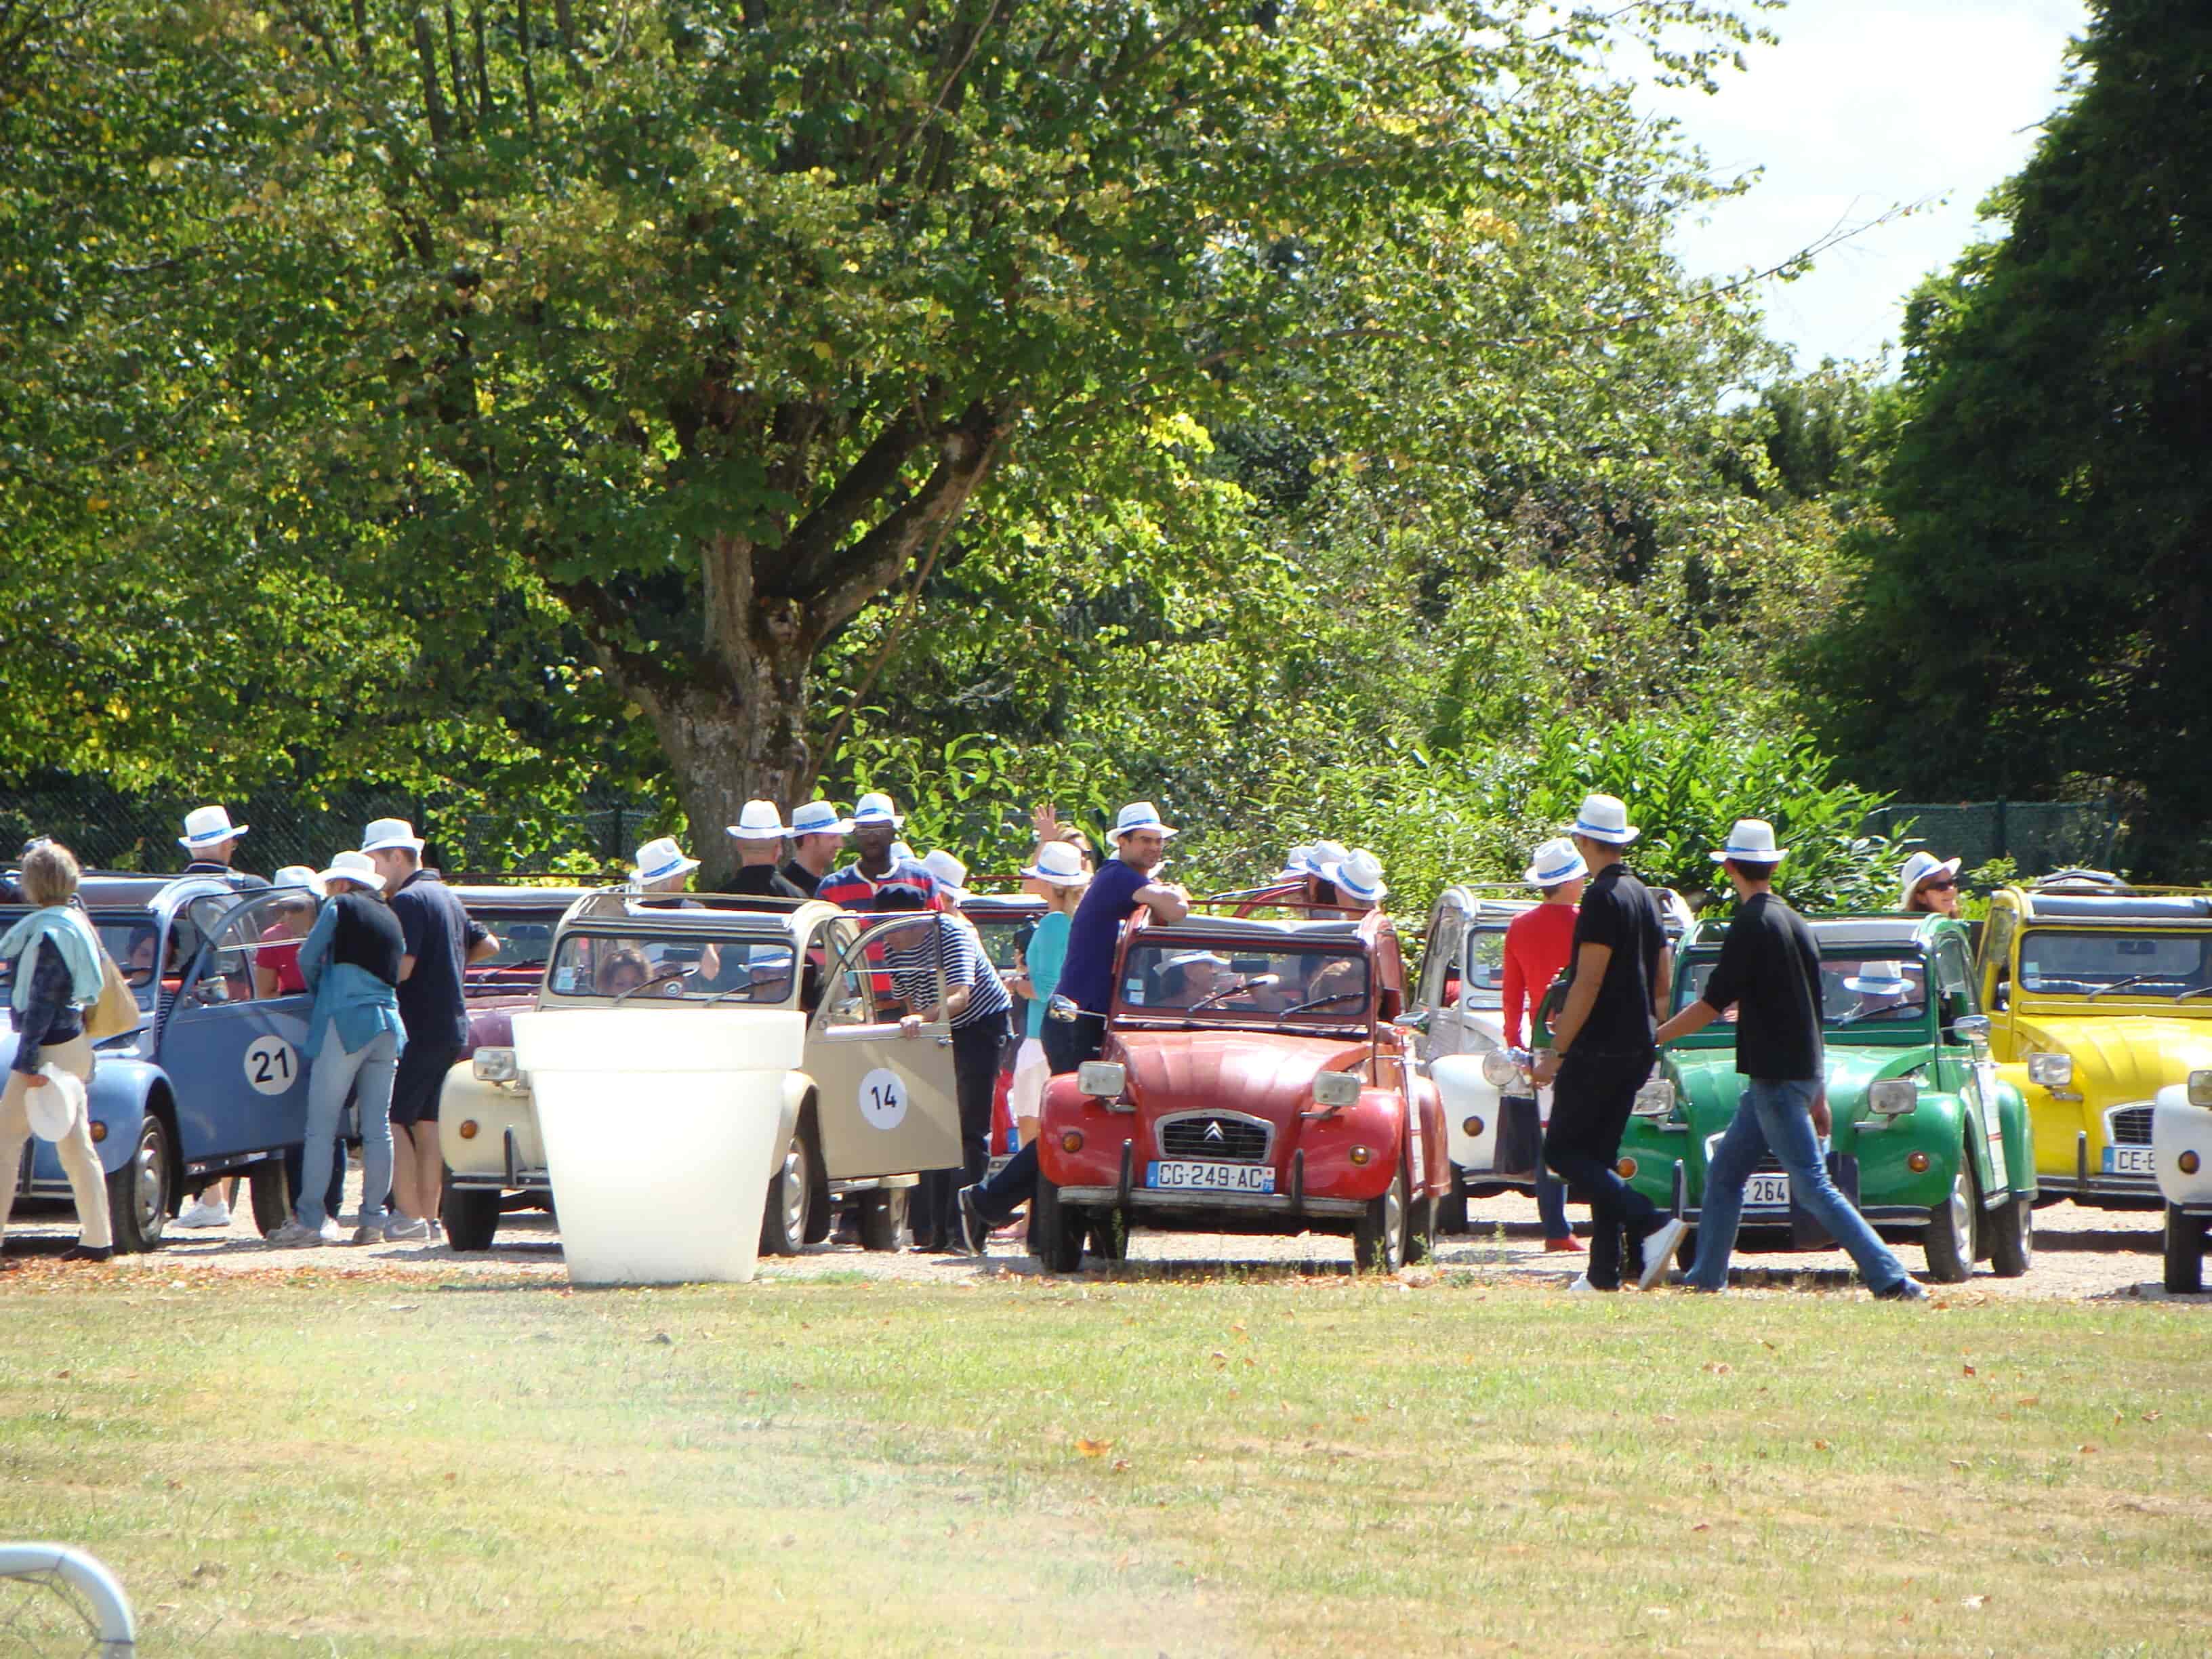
(2079, 1256)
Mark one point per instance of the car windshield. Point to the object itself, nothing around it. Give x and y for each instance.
(1000, 930)
(1243, 983)
(129, 936)
(524, 938)
(2058, 962)
(643, 968)
(1870, 993)
(1485, 968)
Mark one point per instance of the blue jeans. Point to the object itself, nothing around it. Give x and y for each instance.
(334, 1076)
(1779, 1115)
(1551, 1204)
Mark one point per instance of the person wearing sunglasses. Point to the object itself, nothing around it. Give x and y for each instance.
(1931, 883)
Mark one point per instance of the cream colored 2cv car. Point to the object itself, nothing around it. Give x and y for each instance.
(870, 1105)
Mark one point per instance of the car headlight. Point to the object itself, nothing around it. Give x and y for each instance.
(1654, 1099)
(494, 1065)
(1498, 1070)
(1105, 1078)
(1334, 1089)
(2200, 1088)
(1894, 1096)
(2051, 1071)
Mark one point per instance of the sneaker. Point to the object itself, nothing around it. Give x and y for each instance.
(1582, 1286)
(332, 1235)
(1905, 1289)
(203, 1211)
(433, 1230)
(405, 1229)
(1556, 1244)
(83, 1252)
(1659, 1249)
(294, 1235)
(972, 1226)
(369, 1232)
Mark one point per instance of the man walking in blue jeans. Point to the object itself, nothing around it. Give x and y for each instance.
(1769, 971)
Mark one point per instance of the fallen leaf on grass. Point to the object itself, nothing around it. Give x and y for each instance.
(2152, 1417)
(1094, 1448)
(1969, 1369)
(1821, 1445)
(2087, 1446)
(1120, 1466)
(1662, 1418)
(2027, 1399)
(1719, 1367)
(1959, 1463)
(1976, 1601)
(1703, 1526)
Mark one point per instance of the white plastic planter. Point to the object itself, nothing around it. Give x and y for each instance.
(660, 1130)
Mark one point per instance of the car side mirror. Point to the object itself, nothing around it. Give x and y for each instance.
(1062, 1008)
(1416, 1021)
(1970, 1028)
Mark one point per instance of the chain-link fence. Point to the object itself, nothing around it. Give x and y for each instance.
(110, 830)
(2038, 836)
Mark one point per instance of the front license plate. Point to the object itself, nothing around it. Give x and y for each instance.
(2128, 1160)
(1211, 1177)
(1766, 1191)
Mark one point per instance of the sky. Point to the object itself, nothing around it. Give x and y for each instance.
(1861, 107)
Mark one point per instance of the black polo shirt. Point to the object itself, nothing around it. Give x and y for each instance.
(439, 933)
(1770, 969)
(1619, 912)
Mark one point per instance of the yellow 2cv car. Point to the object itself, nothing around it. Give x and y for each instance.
(870, 1104)
(2099, 996)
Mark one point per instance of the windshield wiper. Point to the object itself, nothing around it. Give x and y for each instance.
(657, 979)
(2193, 991)
(2122, 984)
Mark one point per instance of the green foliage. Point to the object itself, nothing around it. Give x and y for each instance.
(2030, 621)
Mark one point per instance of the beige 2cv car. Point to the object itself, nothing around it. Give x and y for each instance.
(870, 1106)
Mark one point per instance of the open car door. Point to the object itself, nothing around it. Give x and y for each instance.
(234, 1042)
(885, 1101)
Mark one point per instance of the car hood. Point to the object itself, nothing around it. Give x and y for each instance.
(1711, 1084)
(1267, 1076)
(2121, 1057)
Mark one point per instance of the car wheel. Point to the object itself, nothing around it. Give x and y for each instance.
(2184, 1252)
(1451, 1208)
(469, 1216)
(790, 1195)
(138, 1193)
(2012, 1237)
(272, 1186)
(1378, 1237)
(1058, 1230)
(1421, 1229)
(1949, 1240)
(883, 1218)
(1686, 1253)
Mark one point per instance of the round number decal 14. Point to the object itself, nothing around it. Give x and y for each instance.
(883, 1099)
(272, 1065)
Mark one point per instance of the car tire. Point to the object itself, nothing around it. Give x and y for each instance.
(883, 1218)
(1451, 1208)
(469, 1216)
(1058, 1230)
(1378, 1236)
(1109, 1235)
(2012, 1237)
(1950, 1236)
(1421, 1229)
(138, 1193)
(270, 1184)
(790, 1195)
(2184, 1252)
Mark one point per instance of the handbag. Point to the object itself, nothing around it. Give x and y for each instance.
(117, 1010)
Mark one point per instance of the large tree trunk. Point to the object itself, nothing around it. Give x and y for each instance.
(723, 753)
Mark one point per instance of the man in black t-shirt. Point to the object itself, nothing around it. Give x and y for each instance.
(1602, 1051)
(1769, 971)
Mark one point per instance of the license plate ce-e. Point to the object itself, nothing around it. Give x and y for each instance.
(1766, 1190)
(2129, 1160)
(1190, 1177)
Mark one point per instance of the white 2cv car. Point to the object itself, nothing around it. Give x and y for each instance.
(2181, 1158)
(869, 1106)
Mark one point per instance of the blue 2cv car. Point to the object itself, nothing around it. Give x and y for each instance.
(214, 1080)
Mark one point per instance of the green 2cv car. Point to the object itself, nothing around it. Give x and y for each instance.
(1932, 1145)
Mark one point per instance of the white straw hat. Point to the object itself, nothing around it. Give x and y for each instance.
(949, 873)
(1298, 864)
(1751, 842)
(1603, 818)
(1138, 815)
(53, 1110)
(1553, 863)
(877, 809)
(1359, 873)
(760, 820)
(820, 817)
(1879, 979)
(352, 866)
(1918, 868)
(206, 825)
(387, 833)
(1060, 863)
(657, 860)
(298, 875)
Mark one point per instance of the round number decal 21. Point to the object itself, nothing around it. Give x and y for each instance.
(272, 1065)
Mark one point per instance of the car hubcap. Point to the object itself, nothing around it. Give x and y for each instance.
(148, 1186)
(1393, 1222)
(794, 1190)
(1962, 1212)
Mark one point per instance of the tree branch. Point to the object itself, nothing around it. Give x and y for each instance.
(811, 552)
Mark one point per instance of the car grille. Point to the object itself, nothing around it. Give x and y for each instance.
(1217, 1138)
(2129, 1125)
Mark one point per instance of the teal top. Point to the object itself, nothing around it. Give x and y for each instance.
(359, 1003)
(70, 930)
(1047, 954)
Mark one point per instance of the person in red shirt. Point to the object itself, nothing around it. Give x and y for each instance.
(1539, 942)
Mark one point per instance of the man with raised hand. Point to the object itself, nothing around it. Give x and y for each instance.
(1602, 1050)
(1769, 971)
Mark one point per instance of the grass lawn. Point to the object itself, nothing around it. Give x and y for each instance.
(385, 1465)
